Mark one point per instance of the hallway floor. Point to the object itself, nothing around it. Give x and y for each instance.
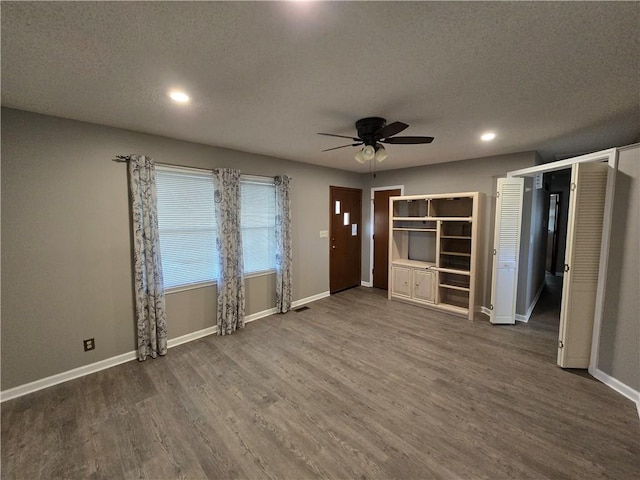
(546, 314)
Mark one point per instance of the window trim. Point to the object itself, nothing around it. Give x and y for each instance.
(196, 286)
(191, 286)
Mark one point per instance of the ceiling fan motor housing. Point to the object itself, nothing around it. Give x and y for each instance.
(367, 128)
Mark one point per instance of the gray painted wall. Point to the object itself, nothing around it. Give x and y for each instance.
(533, 238)
(474, 175)
(619, 349)
(66, 253)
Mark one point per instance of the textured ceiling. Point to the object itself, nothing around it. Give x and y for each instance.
(265, 77)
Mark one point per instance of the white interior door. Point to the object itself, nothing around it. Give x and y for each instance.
(506, 250)
(582, 261)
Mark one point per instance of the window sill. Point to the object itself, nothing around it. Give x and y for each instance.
(184, 288)
(260, 274)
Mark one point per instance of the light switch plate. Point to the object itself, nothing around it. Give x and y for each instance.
(324, 233)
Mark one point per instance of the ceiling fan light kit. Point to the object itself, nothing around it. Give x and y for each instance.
(372, 133)
(368, 152)
(381, 154)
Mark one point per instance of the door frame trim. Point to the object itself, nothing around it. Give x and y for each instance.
(370, 230)
(611, 157)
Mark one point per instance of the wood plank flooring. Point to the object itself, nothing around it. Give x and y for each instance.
(354, 387)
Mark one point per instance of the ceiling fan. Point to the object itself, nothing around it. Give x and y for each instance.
(372, 133)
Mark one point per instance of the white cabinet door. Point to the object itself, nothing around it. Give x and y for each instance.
(423, 285)
(400, 281)
(584, 234)
(506, 251)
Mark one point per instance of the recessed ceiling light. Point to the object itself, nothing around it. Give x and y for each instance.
(178, 96)
(487, 137)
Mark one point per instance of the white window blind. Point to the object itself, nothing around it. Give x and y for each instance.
(258, 223)
(187, 226)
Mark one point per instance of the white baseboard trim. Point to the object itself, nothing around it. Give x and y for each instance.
(47, 382)
(366, 284)
(617, 385)
(258, 315)
(66, 376)
(518, 317)
(312, 298)
(94, 367)
(525, 318)
(189, 337)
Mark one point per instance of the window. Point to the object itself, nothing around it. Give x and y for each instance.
(258, 223)
(187, 226)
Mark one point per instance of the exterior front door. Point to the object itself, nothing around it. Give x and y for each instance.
(345, 238)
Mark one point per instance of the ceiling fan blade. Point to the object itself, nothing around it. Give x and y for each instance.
(391, 129)
(407, 140)
(340, 136)
(343, 146)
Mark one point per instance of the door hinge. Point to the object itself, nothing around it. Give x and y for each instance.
(491, 307)
(560, 344)
(497, 194)
(566, 267)
(573, 186)
(495, 251)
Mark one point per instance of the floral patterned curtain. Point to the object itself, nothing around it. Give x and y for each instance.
(230, 314)
(150, 310)
(283, 244)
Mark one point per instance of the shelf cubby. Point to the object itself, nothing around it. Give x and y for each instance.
(413, 224)
(453, 246)
(456, 229)
(451, 207)
(455, 297)
(411, 208)
(454, 281)
(454, 262)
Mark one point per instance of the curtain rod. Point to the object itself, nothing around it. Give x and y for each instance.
(125, 159)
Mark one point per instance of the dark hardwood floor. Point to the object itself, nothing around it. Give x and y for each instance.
(354, 387)
(546, 314)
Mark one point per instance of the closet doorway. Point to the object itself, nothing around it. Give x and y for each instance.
(590, 208)
(546, 314)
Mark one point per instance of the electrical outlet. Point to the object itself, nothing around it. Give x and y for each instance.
(89, 344)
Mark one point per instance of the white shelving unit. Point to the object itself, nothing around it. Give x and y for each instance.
(433, 243)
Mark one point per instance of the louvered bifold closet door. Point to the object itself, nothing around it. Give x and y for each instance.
(582, 263)
(506, 250)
